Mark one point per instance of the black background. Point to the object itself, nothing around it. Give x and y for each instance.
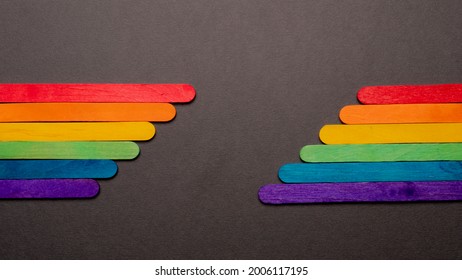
(268, 75)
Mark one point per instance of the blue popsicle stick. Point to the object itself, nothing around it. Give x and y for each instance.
(46, 169)
(371, 172)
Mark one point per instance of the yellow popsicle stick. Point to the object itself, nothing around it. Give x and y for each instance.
(391, 133)
(89, 131)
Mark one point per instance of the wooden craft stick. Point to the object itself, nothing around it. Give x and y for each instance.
(81, 112)
(381, 152)
(371, 172)
(69, 150)
(401, 113)
(56, 169)
(91, 131)
(401, 94)
(52, 188)
(361, 192)
(391, 133)
(170, 93)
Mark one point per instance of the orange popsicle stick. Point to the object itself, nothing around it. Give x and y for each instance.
(69, 112)
(401, 113)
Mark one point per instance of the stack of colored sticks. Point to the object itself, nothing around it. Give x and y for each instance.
(404, 144)
(55, 139)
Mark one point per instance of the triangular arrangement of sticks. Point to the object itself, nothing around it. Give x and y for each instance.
(55, 139)
(403, 144)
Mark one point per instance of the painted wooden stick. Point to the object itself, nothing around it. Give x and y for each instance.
(371, 172)
(361, 192)
(170, 93)
(56, 169)
(91, 131)
(53, 188)
(391, 133)
(81, 112)
(401, 113)
(401, 94)
(381, 152)
(69, 150)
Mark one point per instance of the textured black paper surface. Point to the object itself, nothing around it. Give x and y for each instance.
(268, 75)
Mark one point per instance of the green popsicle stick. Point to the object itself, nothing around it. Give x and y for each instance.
(381, 152)
(69, 150)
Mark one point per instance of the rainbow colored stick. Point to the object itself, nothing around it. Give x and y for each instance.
(361, 192)
(69, 150)
(88, 131)
(170, 93)
(371, 172)
(53, 188)
(86, 112)
(402, 94)
(381, 152)
(56, 169)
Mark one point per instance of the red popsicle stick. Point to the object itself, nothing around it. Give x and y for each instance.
(407, 94)
(172, 93)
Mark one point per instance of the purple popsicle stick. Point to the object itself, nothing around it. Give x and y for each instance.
(361, 192)
(52, 188)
